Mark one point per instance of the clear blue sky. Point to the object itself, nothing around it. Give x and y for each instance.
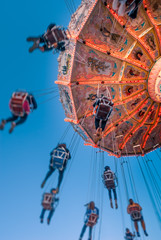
(24, 155)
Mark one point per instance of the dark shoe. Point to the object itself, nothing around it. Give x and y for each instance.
(13, 125)
(41, 220)
(43, 183)
(48, 221)
(138, 234)
(145, 232)
(31, 39)
(2, 124)
(35, 45)
(111, 204)
(116, 205)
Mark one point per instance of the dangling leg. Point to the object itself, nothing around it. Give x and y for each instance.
(115, 197)
(61, 173)
(10, 119)
(103, 125)
(50, 215)
(136, 228)
(90, 233)
(42, 215)
(121, 11)
(36, 41)
(143, 226)
(83, 231)
(14, 124)
(97, 121)
(51, 170)
(110, 197)
(115, 4)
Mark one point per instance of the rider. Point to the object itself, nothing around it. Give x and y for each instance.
(129, 235)
(126, 6)
(21, 104)
(59, 158)
(91, 217)
(54, 38)
(103, 107)
(48, 202)
(134, 209)
(109, 178)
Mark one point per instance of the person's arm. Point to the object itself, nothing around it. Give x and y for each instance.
(45, 48)
(34, 103)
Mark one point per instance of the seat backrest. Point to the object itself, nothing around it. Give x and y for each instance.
(135, 215)
(55, 35)
(59, 156)
(47, 201)
(16, 103)
(92, 220)
(109, 179)
(104, 109)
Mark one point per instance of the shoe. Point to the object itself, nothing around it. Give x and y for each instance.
(13, 125)
(35, 45)
(57, 190)
(31, 39)
(2, 124)
(48, 221)
(116, 205)
(138, 234)
(145, 232)
(111, 204)
(43, 183)
(41, 220)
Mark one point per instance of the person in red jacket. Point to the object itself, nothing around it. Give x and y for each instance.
(134, 209)
(21, 104)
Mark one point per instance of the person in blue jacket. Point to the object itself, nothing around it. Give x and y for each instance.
(91, 217)
(58, 160)
(49, 203)
(129, 235)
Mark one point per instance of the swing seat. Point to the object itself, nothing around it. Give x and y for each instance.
(54, 36)
(47, 201)
(59, 156)
(16, 103)
(109, 180)
(136, 215)
(92, 220)
(104, 109)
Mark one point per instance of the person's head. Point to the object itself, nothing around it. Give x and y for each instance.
(107, 168)
(62, 145)
(53, 190)
(139, 55)
(127, 230)
(91, 205)
(51, 26)
(131, 201)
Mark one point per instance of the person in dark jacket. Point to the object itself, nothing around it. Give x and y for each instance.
(54, 38)
(109, 179)
(58, 160)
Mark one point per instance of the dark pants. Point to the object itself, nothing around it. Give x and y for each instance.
(114, 193)
(49, 173)
(49, 216)
(97, 122)
(83, 231)
(14, 118)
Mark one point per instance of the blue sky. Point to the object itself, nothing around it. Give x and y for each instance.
(24, 155)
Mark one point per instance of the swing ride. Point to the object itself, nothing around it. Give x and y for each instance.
(114, 56)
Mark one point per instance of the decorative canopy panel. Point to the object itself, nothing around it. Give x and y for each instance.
(117, 55)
